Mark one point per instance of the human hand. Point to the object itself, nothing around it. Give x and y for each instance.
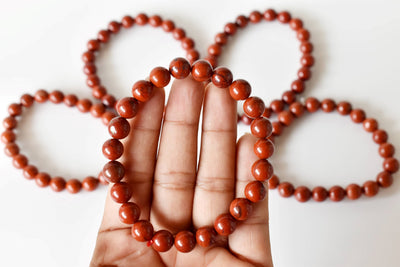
(175, 192)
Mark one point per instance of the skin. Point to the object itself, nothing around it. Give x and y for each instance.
(177, 191)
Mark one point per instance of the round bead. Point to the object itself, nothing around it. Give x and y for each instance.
(205, 236)
(246, 120)
(93, 45)
(255, 191)
(254, 107)
(214, 50)
(97, 110)
(336, 193)
(41, 96)
(357, 115)
(107, 117)
(15, 109)
(70, 100)
(109, 100)
(222, 77)
(142, 90)
(285, 117)
(221, 38)
(302, 194)
(384, 179)
(127, 107)
(113, 171)
(380, 136)
(297, 109)
(26, 100)
(113, 149)
(187, 43)
(162, 241)
(391, 165)
(127, 22)
(344, 108)
(178, 34)
(155, 21)
(129, 213)
(56, 97)
(306, 47)
(89, 68)
(179, 68)
(241, 208)
(273, 182)
(73, 186)
(298, 86)
(84, 105)
(312, 104)
(240, 89)
(90, 183)
(119, 128)
(284, 17)
(261, 127)
(307, 60)
(328, 105)
(371, 188)
(30, 172)
(262, 170)
(319, 194)
(142, 231)
(303, 35)
(20, 161)
(255, 17)
(8, 136)
(168, 25)
(88, 56)
(270, 15)
(57, 184)
(277, 128)
(386, 150)
(304, 74)
(225, 224)
(277, 106)
(353, 191)
(264, 148)
(202, 70)
(289, 97)
(114, 26)
(92, 80)
(230, 28)
(11, 149)
(185, 241)
(285, 189)
(120, 192)
(141, 19)
(42, 179)
(99, 91)
(370, 125)
(295, 24)
(160, 77)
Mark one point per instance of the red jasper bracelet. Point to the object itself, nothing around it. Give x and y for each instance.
(20, 161)
(103, 36)
(337, 193)
(119, 128)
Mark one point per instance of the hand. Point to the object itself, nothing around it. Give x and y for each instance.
(175, 193)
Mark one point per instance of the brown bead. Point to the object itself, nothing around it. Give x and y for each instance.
(178, 34)
(270, 15)
(15, 109)
(319, 194)
(307, 60)
(288, 97)
(120, 192)
(57, 184)
(285, 189)
(162, 241)
(92, 80)
(262, 170)
(240, 89)
(155, 21)
(304, 74)
(285, 117)
(102, 179)
(391, 165)
(179, 68)
(312, 104)
(273, 182)
(297, 109)
(277, 105)
(70, 100)
(109, 100)
(113, 149)
(73, 186)
(160, 77)
(27, 100)
(254, 107)
(168, 25)
(202, 70)
(93, 45)
(41, 96)
(192, 55)
(141, 19)
(11, 149)
(127, 22)
(225, 224)
(30, 172)
(42, 179)
(298, 86)
(127, 107)
(88, 56)
(371, 188)
(303, 35)
(84, 105)
(241, 209)
(99, 91)
(264, 148)
(185, 241)
(10, 123)
(255, 191)
(142, 231)
(295, 24)
(353, 191)
(221, 38)
(222, 77)
(328, 105)
(337, 193)
(187, 43)
(241, 21)
(267, 113)
(97, 110)
(284, 17)
(246, 120)
(255, 17)
(113, 171)
(380, 136)
(357, 115)
(90, 183)
(214, 50)
(302, 194)
(56, 96)
(103, 36)
(107, 117)
(230, 28)
(277, 128)
(20, 161)
(261, 128)
(119, 128)
(114, 27)
(306, 47)
(344, 108)
(205, 236)
(89, 69)
(386, 150)
(142, 90)
(370, 125)
(384, 179)
(129, 213)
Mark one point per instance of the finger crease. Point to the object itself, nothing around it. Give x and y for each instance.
(215, 184)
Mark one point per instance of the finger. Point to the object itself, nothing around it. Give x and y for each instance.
(216, 175)
(140, 150)
(250, 241)
(177, 158)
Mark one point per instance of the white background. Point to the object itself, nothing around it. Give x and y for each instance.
(357, 59)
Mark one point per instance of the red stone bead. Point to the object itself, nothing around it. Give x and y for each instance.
(214, 50)
(168, 25)
(221, 38)
(113, 171)
(273, 182)
(284, 17)
(10, 123)
(70, 100)
(15, 109)
(113, 149)
(241, 209)
(129, 213)
(155, 21)
(384, 179)
(386, 150)
(192, 55)
(302, 194)
(92, 80)
(222, 77)
(84, 105)
(41, 96)
(371, 188)
(57, 184)
(295, 24)
(178, 34)
(142, 231)
(285, 117)
(240, 89)
(107, 117)
(120, 192)
(102, 179)
(304, 74)
(261, 128)
(357, 115)
(262, 170)
(277, 128)
(99, 91)
(297, 109)
(255, 191)
(370, 125)
(27, 100)
(97, 110)
(391, 165)
(246, 120)
(264, 148)
(312, 104)
(306, 47)
(141, 19)
(254, 107)
(187, 43)
(319, 194)
(109, 100)
(90, 183)
(11, 149)
(328, 105)
(119, 128)
(73, 186)
(142, 90)
(255, 17)
(303, 35)
(270, 15)
(344, 108)
(88, 56)
(337, 193)
(162, 241)
(241, 21)
(202, 70)
(127, 107)
(205, 236)
(179, 68)
(93, 45)
(277, 105)
(225, 224)
(30, 172)
(230, 28)
(285, 189)
(56, 97)
(20, 161)
(127, 22)
(89, 69)
(298, 86)
(185, 241)
(353, 191)
(289, 97)
(307, 60)
(380, 136)
(267, 113)
(114, 27)
(42, 179)
(160, 77)
(103, 36)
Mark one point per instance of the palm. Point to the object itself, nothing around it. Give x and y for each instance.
(183, 194)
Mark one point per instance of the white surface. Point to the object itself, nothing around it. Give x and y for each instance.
(357, 59)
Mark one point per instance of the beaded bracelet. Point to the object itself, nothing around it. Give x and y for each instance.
(103, 36)
(306, 60)
(20, 161)
(119, 128)
(337, 193)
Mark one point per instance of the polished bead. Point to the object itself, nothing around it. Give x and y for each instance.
(303, 35)
(319, 194)
(246, 120)
(357, 115)
(93, 45)
(187, 43)
(41, 96)
(192, 55)
(142, 90)
(312, 104)
(380, 136)
(70, 100)
(141, 19)
(97, 110)
(42, 179)
(89, 69)
(92, 80)
(295, 24)
(277, 128)
(386, 150)
(285, 117)
(56, 97)
(30, 172)
(15, 109)
(267, 113)
(178, 34)
(306, 47)
(113, 171)
(102, 178)
(120, 192)
(328, 105)
(99, 91)
(27, 100)
(221, 38)
(205, 236)
(304, 74)
(214, 50)
(185, 241)
(254, 107)
(277, 105)
(10, 123)
(90, 183)
(344, 108)
(371, 188)
(285, 189)
(127, 107)
(222, 77)
(107, 117)
(261, 127)
(241, 21)
(142, 230)
(119, 128)
(11, 149)
(57, 184)
(225, 224)
(255, 191)
(384, 179)
(20, 161)
(307, 60)
(84, 105)
(109, 100)
(114, 27)
(336, 193)
(113, 149)
(155, 21)
(73, 186)
(284, 17)
(289, 97)
(168, 25)
(298, 86)
(370, 125)
(240, 89)
(273, 182)
(264, 148)
(241, 209)
(103, 36)
(391, 165)
(353, 191)
(297, 109)
(162, 241)
(160, 77)
(230, 28)
(270, 15)
(88, 56)
(127, 22)
(129, 213)
(179, 68)
(302, 194)
(202, 70)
